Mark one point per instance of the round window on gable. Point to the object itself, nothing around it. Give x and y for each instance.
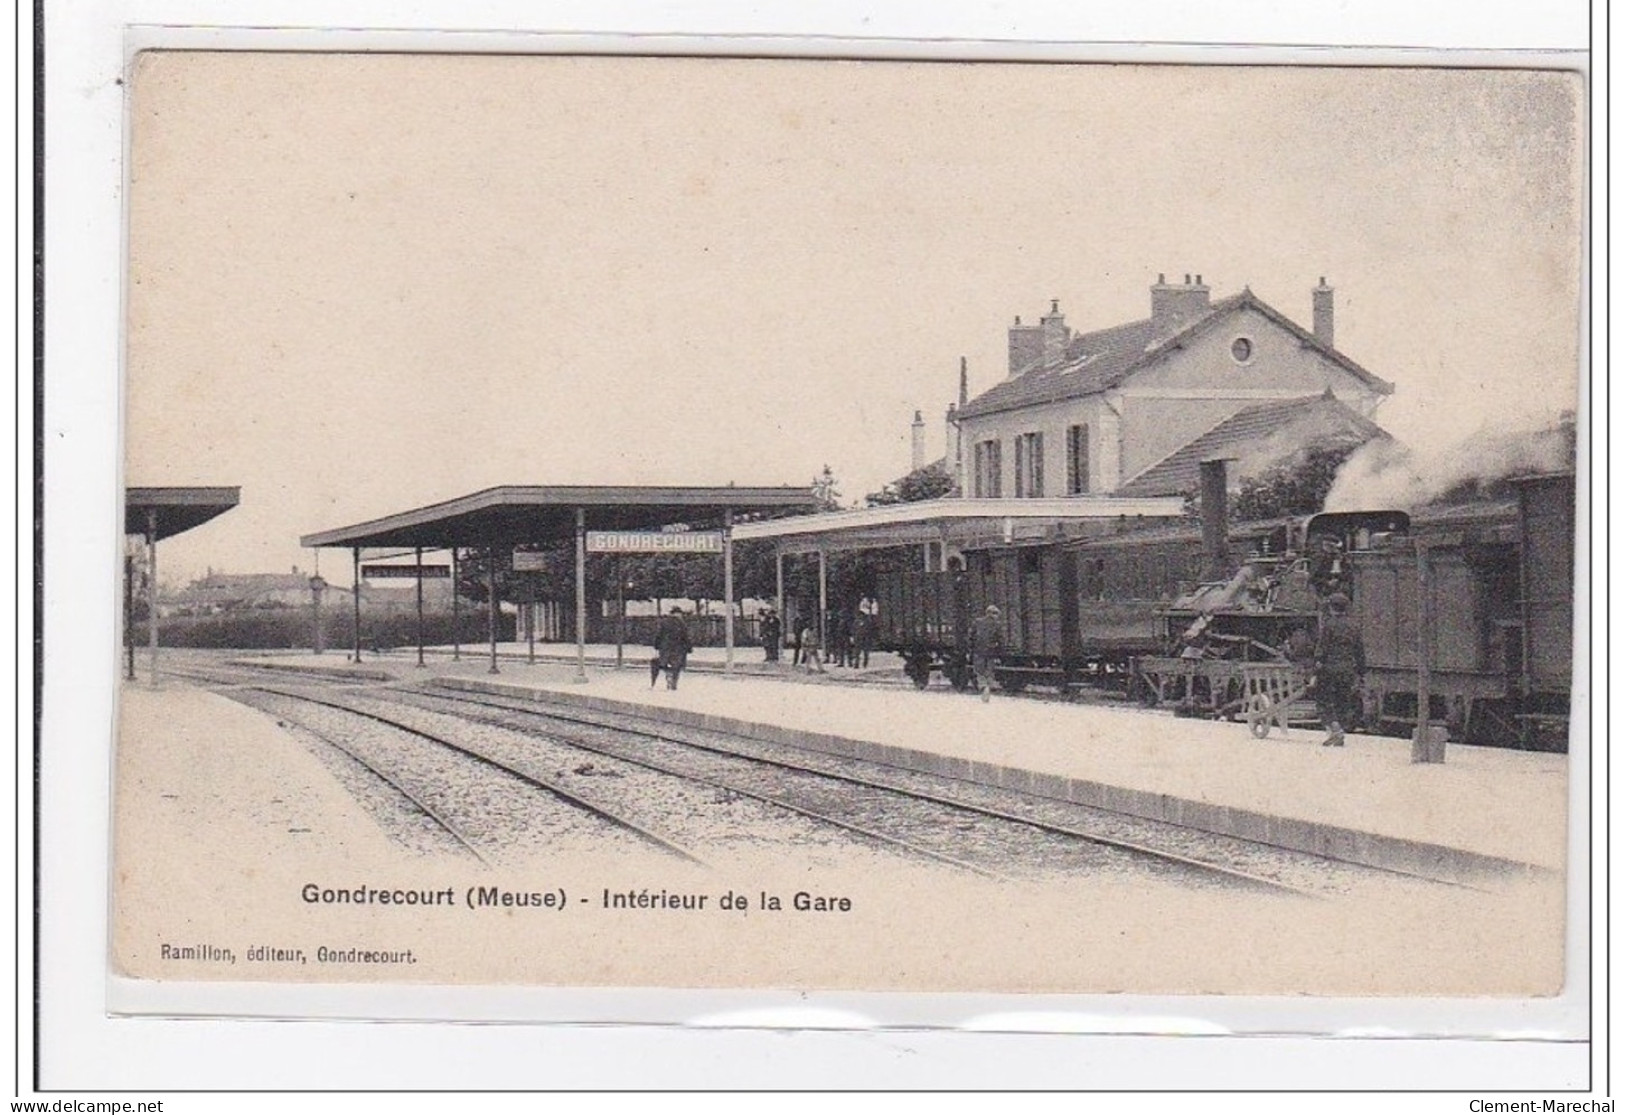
(1241, 350)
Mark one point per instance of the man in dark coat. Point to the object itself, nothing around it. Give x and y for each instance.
(673, 644)
(986, 640)
(772, 630)
(863, 637)
(1339, 667)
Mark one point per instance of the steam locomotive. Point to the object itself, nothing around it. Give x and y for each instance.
(1489, 583)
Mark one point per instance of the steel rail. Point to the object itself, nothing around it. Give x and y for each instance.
(384, 776)
(540, 783)
(1132, 847)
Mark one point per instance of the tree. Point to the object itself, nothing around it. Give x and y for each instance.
(1297, 487)
(930, 482)
(825, 491)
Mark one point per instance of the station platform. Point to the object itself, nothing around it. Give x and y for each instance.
(1481, 813)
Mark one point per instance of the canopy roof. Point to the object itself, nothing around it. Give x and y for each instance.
(529, 514)
(966, 523)
(178, 509)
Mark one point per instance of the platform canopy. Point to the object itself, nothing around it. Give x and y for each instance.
(175, 510)
(516, 515)
(961, 523)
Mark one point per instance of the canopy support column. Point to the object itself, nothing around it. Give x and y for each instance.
(778, 583)
(728, 589)
(823, 601)
(420, 606)
(530, 618)
(456, 610)
(129, 613)
(355, 596)
(491, 603)
(581, 595)
(620, 610)
(152, 592)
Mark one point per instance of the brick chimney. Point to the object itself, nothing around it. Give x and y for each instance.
(1026, 346)
(1176, 305)
(1322, 295)
(918, 457)
(1056, 334)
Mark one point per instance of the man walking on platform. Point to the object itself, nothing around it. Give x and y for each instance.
(986, 640)
(1339, 666)
(673, 646)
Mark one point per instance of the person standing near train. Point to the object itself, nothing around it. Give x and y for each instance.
(986, 640)
(673, 646)
(772, 630)
(1339, 667)
(863, 636)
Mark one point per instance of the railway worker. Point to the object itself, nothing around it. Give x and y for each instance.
(1339, 666)
(840, 637)
(673, 644)
(772, 631)
(986, 640)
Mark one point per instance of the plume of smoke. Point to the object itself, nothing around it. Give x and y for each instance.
(1389, 474)
(1321, 428)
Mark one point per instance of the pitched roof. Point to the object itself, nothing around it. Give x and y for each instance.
(1099, 361)
(1247, 433)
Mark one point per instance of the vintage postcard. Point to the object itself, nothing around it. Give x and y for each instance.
(849, 525)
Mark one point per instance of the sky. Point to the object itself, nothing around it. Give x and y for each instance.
(359, 284)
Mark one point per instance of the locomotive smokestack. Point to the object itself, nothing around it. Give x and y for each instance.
(1215, 522)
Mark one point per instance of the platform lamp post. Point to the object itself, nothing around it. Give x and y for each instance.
(317, 587)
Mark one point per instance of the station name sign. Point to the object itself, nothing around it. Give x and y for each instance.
(654, 542)
(403, 572)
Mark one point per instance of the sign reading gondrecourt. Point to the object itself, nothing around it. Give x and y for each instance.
(403, 572)
(654, 542)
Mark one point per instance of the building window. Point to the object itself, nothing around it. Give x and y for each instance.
(1029, 466)
(1241, 350)
(1077, 460)
(988, 481)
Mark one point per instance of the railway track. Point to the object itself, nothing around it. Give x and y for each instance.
(415, 801)
(868, 782)
(800, 785)
(574, 800)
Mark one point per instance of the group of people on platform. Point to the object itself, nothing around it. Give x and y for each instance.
(847, 639)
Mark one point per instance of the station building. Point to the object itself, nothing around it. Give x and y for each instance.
(1119, 410)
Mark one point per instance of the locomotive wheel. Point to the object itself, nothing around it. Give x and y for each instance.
(1011, 684)
(918, 671)
(960, 677)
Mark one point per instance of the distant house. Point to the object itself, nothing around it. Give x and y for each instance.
(218, 593)
(1132, 409)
